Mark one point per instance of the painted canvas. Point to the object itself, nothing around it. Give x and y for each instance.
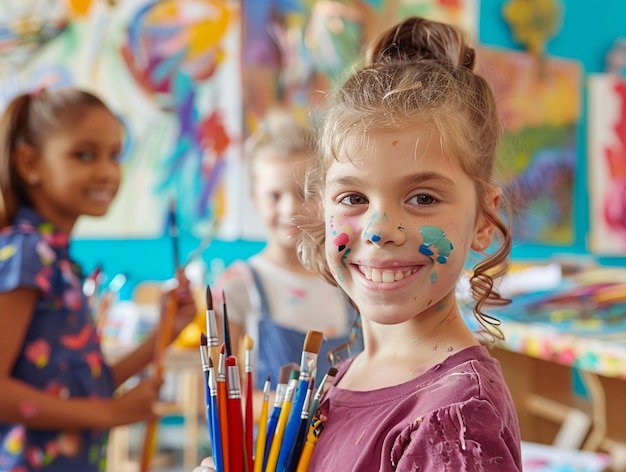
(295, 51)
(170, 70)
(539, 102)
(607, 163)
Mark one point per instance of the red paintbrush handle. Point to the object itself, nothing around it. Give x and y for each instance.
(249, 421)
(235, 434)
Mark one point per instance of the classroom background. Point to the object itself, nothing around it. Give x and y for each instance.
(191, 79)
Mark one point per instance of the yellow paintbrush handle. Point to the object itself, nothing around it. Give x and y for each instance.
(272, 458)
(307, 450)
(261, 438)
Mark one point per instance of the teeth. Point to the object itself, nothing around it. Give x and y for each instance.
(385, 276)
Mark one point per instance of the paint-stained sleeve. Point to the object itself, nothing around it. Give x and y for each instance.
(465, 436)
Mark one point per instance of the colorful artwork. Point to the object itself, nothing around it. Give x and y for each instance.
(170, 69)
(295, 51)
(607, 163)
(539, 102)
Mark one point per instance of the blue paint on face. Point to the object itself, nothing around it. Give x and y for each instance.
(375, 238)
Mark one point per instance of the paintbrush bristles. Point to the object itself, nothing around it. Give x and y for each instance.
(248, 343)
(209, 298)
(313, 341)
(285, 371)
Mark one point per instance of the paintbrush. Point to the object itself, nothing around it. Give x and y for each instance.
(222, 406)
(225, 327)
(236, 443)
(298, 443)
(214, 420)
(211, 328)
(248, 344)
(163, 336)
(174, 234)
(204, 358)
(279, 399)
(277, 441)
(328, 379)
(203, 245)
(308, 363)
(311, 439)
(262, 431)
(107, 299)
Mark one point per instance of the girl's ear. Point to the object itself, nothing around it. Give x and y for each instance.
(25, 157)
(485, 228)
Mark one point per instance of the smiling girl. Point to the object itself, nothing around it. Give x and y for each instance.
(406, 194)
(60, 159)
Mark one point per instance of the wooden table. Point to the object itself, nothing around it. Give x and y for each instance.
(538, 363)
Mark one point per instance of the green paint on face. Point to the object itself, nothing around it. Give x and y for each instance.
(435, 237)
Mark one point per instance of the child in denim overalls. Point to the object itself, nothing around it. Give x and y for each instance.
(272, 297)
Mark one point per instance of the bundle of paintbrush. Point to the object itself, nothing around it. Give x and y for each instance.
(283, 435)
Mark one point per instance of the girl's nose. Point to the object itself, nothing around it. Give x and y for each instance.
(384, 228)
(109, 168)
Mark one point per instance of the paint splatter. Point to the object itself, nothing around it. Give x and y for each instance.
(395, 143)
(434, 277)
(341, 240)
(343, 258)
(376, 220)
(435, 237)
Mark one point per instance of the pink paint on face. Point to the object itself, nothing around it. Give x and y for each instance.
(341, 240)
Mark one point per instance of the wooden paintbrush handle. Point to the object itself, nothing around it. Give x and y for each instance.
(163, 336)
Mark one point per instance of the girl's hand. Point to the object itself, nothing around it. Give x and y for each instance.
(206, 465)
(137, 403)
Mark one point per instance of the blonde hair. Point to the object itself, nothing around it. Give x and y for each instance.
(418, 72)
(280, 134)
(30, 118)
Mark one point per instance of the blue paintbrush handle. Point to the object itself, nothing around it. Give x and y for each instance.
(296, 449)
(271, 429)
(216, 436)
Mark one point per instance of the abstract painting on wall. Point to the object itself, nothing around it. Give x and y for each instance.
(170, 70)
(607, 163)
(539, 103)
(295, 51)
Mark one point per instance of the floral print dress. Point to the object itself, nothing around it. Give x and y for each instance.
(61, 353)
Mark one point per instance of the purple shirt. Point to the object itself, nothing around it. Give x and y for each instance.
(458, 416)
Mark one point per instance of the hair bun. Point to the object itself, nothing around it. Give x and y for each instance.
(416, 39)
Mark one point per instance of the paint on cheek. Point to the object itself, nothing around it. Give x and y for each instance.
(433, 277)
(343, 258)
(341, 240)
(434, 237)
(395, 143)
